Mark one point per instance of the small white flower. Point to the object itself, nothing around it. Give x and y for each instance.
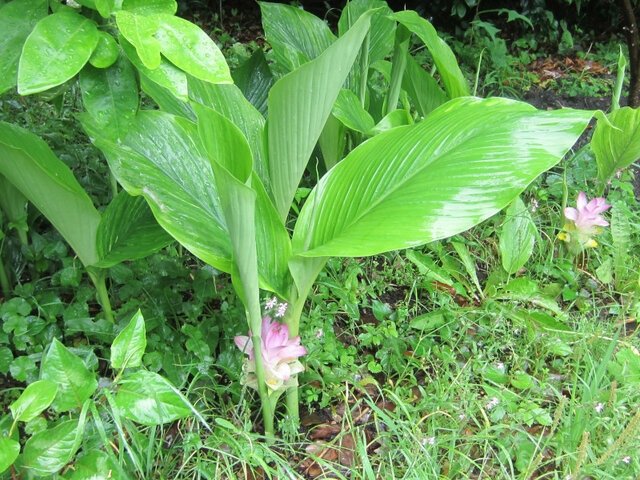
(499, 366)
(462, 416)
(319, 333)
(282, 309)
(271, 303)
(534, 205)
(428, 441)
(626, 460)
(598, 407)
(516, 331)
(494, 402)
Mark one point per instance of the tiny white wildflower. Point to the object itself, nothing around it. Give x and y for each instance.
(462, 416)
(319, 333)
(494, 402)
(429, 441)
(499, 366)
(626, 460)
(598, 407)
(534, 205)
(282, 309)
(271, 303)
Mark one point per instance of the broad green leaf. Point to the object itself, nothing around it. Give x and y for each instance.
(106, 51)
(621, 231)
(96, 465)
(191, 49)
(166, 75)
(254, 79)
(351, 113)
(30, 165)
(299, 104)
(33, 400)
(128, 347)
(469, 265)
(128, 231)
(396, 118)
(17, 19)
(163, 159)
(147, 398)
(411, 185)
(443, 57)
(9, 450)
(227, 146)
(110, 95)
(68, 371)
(150, 7)
(287, 27)
(616, 144)
(48, 451)
(517, 237)
(57, 48)
(229, 101)
(165, 99)
(382, 27)
(105, 7)
(139, 30)
(422, 88)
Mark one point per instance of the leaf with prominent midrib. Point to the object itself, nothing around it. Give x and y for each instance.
(411, 185)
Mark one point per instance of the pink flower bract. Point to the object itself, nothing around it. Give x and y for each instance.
(279, 354)
(586, 218)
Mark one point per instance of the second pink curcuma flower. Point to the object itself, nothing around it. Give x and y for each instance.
(279, 355)
(584, 221)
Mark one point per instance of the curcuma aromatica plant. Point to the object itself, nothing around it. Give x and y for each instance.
(219, 165)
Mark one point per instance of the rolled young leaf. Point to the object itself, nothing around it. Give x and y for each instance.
(411, 185)
(30, 165)
(57, 49)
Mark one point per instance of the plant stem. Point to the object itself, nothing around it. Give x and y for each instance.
(114, 184)
(399, 63)
(4, 281)
(98, 279)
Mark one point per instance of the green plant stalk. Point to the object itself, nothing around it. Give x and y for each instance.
(617, 89)
(292, 320)
(114, 184)
(265, 401)
(364, 69)
(4, 281)
(400, 52)
(98, 279)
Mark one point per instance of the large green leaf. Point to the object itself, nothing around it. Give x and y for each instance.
(110, 95)
(17, 19)
(616, 144)
(96, 465)
(290, 28)
(31, 166)
(229, 101)
(165, 99)
(443, 57)
(230, 155)
(382, 27)
(422, 88)
(254, 78)
(147, 398)
(128, 347)
(75, 382)
(13, 203)
(9, 450)
(57, 49)
(139, 30)
(411, 185)
(48, 451)
(150, 7)
(163, 159)
(517, 237)
(299, 104)
(34, 400)
(191, 49)
(128, 231)
(166, 74)
(351, 113)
